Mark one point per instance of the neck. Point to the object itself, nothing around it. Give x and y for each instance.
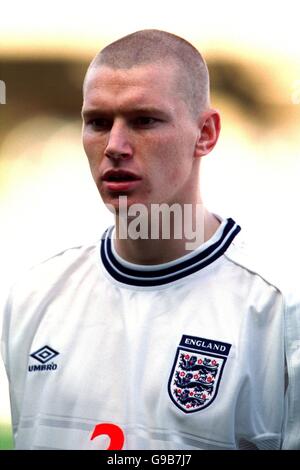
(154, 244)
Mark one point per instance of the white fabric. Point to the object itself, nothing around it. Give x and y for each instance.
(117, 345)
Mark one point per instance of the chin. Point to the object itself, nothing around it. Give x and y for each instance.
(121, 202)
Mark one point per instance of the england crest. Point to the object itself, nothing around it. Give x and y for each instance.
(197, 371)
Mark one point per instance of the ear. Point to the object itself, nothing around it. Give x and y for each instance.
(209, 130)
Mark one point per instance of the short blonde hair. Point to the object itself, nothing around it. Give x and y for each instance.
(155, 46)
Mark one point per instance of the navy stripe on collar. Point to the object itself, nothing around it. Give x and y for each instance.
(156, 277)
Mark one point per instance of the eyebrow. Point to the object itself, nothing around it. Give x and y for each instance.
(93, 112)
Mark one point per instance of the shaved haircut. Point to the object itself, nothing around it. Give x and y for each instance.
(151, 46)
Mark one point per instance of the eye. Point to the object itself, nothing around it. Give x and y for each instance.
(145, 121)
(99, 124)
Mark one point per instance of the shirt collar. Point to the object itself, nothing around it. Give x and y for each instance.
(166, 273)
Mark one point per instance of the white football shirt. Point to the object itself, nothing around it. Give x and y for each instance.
(189, 354)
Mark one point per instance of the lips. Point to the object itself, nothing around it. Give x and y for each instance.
(120, 180)
(119, 176)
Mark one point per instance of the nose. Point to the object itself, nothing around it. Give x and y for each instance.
(118, 145)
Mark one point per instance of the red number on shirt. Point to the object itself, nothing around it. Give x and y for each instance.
(113, 431)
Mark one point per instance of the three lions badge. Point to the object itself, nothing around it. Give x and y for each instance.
(196, 374)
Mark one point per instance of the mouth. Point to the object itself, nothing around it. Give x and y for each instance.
(120, 180)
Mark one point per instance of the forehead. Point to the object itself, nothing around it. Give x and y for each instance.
(150, 84)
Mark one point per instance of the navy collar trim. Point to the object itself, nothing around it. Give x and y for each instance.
(138, 276)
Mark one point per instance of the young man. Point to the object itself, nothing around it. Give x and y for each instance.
(180, 348)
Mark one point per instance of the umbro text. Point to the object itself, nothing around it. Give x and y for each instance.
(39, 367)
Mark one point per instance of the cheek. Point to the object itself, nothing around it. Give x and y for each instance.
(87, 145)
(174, 164)
(175, 178)
(86, 141)
(93, 149)
(163, 171)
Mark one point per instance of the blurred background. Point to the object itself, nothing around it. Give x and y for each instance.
(47, 198)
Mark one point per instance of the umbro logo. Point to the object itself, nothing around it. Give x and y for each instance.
(44, 355)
